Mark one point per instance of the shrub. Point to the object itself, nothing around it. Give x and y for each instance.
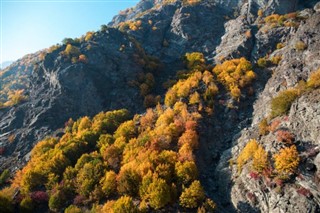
(276, 59)
(300, 45)
(192, 196)
(274, 125)
(89, 36)
(83, 59)
(15, 97)
(67, 41)
(194, 60)
(281, 104)
(285, 136)
(72, 50)
(210, 205)
(305, 192)
(314, 80)
(4, 176)
(263, 127)
(262, 62)
(103, 28)
(287, 160)
(280, 45)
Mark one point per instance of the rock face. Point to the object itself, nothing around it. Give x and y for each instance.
(248, 194)
(58, 89)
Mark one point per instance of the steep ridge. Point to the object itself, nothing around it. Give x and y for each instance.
(58, 89)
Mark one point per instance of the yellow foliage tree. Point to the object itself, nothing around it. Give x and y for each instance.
(247, 153)
(287, 160)
(260, 159)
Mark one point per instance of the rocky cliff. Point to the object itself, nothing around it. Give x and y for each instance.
(59, 87)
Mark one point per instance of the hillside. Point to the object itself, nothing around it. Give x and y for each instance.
(190, 106)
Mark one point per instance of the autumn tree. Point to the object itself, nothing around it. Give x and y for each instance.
(287, 160)
(260, 159)
(186, 171)
(247, 153)
(192, 196)
(128, 181)
(158, 193)
(108, 183)
(124, 205)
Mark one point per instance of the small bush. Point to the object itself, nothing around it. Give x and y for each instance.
(314, 80)
(262, 62)
(103, 28)
(89, 36)
(83, 59)
(300, 45)
(72, 50)
(4, 176)
(281, 104)
(276, 59)
(280, 46)
(263, 127)
(274, 125)
(285, 136)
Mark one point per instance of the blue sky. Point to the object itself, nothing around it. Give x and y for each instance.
(30, 25)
